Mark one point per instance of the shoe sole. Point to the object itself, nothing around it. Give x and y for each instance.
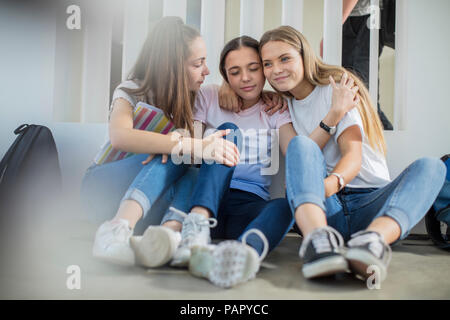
(155, 248)
(359, 260)
(201, 261)
(325, 267)
(182, 262)
(233, 264)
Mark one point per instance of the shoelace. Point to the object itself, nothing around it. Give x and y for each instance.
(191, 227)
(262, 237)
(321, 241)
(376, 243)
(121, 230)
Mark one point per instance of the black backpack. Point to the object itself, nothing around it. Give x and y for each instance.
(437, 220)
(30, 175)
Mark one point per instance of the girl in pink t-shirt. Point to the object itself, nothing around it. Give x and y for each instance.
(236, 198)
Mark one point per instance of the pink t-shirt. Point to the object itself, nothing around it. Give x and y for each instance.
(258, 161)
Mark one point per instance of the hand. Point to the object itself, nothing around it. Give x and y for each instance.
(216, 148)
(228, 99)
(150, 157)
(274, 102)
(344, 96)
(331, 184)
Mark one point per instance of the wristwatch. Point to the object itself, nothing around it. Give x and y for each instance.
(330, 130)
(340, 180)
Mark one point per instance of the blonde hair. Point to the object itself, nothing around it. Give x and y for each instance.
(160, 71)
(317, 72)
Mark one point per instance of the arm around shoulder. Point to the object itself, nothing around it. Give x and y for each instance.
(287, 132)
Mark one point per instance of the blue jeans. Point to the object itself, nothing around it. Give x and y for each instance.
(238, 211)
(153, 186)
(406, 199)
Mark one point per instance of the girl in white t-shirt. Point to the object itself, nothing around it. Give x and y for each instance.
(344, 189)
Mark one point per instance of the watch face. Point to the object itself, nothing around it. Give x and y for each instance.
(332, 130)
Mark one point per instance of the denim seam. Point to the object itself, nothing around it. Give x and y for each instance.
(147, 203)
(288, 193)
(307, 198)
(392, 200)
(140, 183)
(394, 212)
(206, 206)
(172, 216)
(381, 194)
(400, 217)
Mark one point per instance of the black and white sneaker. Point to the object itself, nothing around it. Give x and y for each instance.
(368, 248)
(321, 251)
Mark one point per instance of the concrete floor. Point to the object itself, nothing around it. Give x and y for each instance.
(37, 269)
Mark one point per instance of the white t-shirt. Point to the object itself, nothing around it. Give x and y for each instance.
(306, 115)
(254, 171)
(119, 93)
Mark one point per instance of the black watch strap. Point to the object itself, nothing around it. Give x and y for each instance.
(325, 127)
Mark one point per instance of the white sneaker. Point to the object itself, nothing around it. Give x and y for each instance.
(194, 232)
(229, 263)
(112, 242)
(156, 246)
(201, 261)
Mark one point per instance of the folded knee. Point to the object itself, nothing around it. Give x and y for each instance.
(235, 135)
(302, 143)
(432, 167)
(302, 148)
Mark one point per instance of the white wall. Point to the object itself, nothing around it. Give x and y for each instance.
(427, 111)
(27, 64)
(27, 58)
(27, 39)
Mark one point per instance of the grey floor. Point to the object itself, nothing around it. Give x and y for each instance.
(36, 263)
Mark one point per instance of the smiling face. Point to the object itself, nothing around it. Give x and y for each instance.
(283, 65)
(244, 72)
(196, 64)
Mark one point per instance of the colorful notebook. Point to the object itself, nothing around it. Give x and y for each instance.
(146, 117)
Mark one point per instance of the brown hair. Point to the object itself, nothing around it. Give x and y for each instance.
(160, 71)
(317, 73)
(236, 44)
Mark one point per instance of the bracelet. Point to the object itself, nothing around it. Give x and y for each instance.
(180, 145)
(340, 180)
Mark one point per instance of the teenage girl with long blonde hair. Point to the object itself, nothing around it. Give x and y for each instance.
(343, 191)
